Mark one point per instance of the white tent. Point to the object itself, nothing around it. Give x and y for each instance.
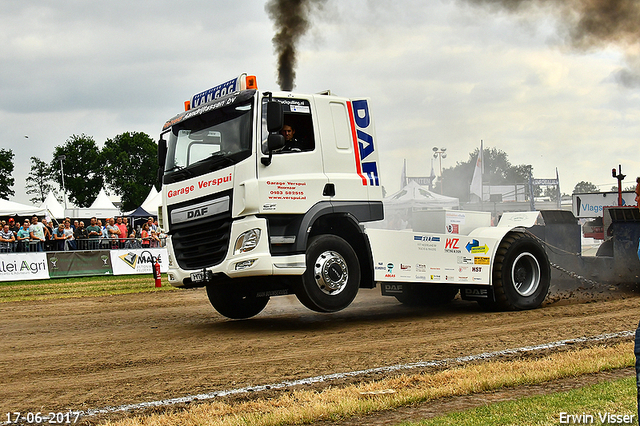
(415, 196)
(102, 207)
(151, 204)
(399, 207)
(10, 208)
(102, 201)
(52, 204)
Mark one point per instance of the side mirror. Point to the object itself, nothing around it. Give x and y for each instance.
(275, 116)
(162, 156)
(275, 141)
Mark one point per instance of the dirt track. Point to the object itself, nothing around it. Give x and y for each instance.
(88, 353)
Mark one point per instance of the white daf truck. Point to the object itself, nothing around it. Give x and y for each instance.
(252, 215)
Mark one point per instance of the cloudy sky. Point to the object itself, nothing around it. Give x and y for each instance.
(445, 73)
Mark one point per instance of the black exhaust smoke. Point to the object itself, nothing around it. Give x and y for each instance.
(292, 20)
(589, 24)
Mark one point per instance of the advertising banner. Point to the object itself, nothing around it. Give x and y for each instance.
(23, 266)
(79, 264)
(138, 261)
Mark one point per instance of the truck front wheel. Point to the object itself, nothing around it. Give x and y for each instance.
(332, 278)
(521, 273)
(235, 302)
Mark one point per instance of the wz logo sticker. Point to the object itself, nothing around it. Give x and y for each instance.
(362, 130)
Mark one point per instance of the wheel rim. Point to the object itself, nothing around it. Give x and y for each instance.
(331, 273)
(525, 274)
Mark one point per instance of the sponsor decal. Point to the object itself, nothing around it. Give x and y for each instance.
(463, 279)
(475, 247)
(449, 278)
(421, 277)
(287, 190)
(477, 279)
(452, 245)
(204, 183)
(482, 260)
(218, 91)
(453, 228)
(421, 267)
(269, 206)
(363, 143)
(464, 260)
(463, 269)
(426, 238)
(476, 269)
(426, 242)
(405, 267)
(435, 277)
(390, 273)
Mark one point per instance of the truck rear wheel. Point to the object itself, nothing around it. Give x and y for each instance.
(521, 273)
(235, 302)
(332, 278)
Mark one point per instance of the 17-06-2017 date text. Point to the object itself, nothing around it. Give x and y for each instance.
(51, 418)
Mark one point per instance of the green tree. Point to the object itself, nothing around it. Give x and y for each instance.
(130, 167)
(82, 169)
(39, 181)
(583, 187)
(498, 170)
(6, 170)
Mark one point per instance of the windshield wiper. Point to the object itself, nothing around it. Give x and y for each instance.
(174, 168)
(180, 169)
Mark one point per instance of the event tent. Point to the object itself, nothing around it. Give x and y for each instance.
(52, 204)
(149, 206)
(11, 208)
(102, 207)
(399, 207)
(415, 196)
(153, 201)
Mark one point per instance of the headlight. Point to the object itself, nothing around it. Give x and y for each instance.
(247, 241)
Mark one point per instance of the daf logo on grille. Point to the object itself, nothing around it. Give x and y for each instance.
(192, 214)
(198, 211)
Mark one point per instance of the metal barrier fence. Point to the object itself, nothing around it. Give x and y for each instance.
(28, 246)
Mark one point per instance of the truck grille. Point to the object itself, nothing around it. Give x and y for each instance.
(203, 244)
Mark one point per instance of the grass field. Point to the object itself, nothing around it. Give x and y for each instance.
(604, 403)
(78, 287)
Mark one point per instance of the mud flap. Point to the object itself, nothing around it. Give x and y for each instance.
(476, 293)
(392, 289)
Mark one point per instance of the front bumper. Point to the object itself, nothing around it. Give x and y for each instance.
(254, 263)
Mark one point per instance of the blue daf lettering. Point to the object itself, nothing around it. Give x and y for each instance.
(365, 141)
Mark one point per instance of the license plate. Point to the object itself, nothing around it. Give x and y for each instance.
(197, 277)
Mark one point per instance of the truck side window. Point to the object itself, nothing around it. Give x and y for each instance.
(297, 129)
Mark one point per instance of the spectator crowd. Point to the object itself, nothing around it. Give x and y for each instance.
(35, 235)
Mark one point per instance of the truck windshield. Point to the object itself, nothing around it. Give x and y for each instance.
(209, 141)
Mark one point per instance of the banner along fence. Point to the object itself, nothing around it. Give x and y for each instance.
(65, 264)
